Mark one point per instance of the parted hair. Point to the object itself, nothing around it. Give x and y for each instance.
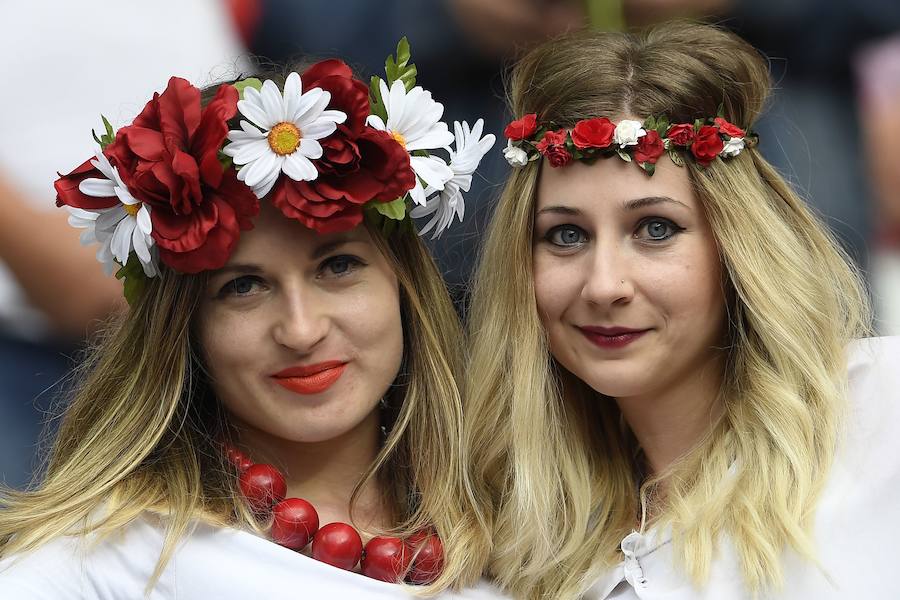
(554, 458)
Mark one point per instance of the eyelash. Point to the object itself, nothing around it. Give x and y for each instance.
(353, 263)
(673, 227)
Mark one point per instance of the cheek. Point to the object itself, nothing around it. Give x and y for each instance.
(556, 286)
(226, 342)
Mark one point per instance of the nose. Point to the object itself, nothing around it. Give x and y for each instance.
(608, 278)
(302, 320)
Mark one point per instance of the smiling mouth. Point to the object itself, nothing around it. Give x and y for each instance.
(611, 338)
(313, 379)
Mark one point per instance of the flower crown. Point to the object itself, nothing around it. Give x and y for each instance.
(180, 183)
(632, 141)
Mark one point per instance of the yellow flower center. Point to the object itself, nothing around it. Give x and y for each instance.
(399, 137)
(284, 138)
(132, 209)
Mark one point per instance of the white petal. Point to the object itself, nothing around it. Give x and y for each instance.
(121, 240)
(318, 130)
(97, 188)
(396, 105)
(293, 88)
(436, 137)
(375, 122)
(307, 103)
(299, 168)
(312, 115)
(265, 186)
(108, 219)
(259, 169)
(432, 170)
(417, 193)
(143, 220)
(139, 241)
(335, 116)
(246, 152)
(309, 148)
(272, 102)
(252, 108)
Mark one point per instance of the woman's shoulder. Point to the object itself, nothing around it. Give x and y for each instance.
(86, 567)
(209, 562)
(873, 375)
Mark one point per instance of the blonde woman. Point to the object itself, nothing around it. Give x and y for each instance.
(667, 396)
(277, 414)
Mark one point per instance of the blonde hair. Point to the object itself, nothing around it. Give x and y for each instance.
(143, 431)
(553, 453)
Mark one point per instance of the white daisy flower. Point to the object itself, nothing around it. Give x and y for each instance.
(282, 135)
(119, 229)
(414, 120)
(470, 149)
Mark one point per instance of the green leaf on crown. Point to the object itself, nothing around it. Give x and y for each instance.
(623, 154)
(133, 278)
(675, 157)
(243, 84)
(395, 209)
(107, 138)
(376, 102)
(400, 68)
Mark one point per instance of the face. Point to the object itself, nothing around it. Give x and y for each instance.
(300, 331)
(627, 275)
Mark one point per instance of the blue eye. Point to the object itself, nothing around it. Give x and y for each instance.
(566, 236)
(340, 266)
(657, 229)
(245, 285)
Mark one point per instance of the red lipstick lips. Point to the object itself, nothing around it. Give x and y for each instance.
(611, 337)
(310, 379)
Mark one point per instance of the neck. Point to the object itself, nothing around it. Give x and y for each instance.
(325, 473)
(669, 423)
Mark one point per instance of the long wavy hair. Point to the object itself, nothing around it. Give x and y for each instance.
(143, 430)
(554, 454)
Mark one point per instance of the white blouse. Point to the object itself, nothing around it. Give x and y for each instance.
(857, 522)
(210, 564)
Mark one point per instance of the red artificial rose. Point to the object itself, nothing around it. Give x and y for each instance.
(728, 128)
(168, 159)
(521, 129)
(649, 147)
(68, 194)
(681, 134)
(707, 145)
(553, 146)
(593, 133)
(358, 165)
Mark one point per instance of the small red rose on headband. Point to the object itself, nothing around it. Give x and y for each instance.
(553, 146)
(593, 133)
(681, 134)
(649, 148)
(729, 129)
(521, 128)
(707, 145)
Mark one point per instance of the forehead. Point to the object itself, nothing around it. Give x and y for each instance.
(275, 237)
(611, 182)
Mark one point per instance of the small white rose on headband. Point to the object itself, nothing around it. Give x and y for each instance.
(514, 155)
(627, 132)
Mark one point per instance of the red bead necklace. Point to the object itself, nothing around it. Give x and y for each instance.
(295, 523)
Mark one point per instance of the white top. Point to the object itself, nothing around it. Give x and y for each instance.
(857, 523)
(211, 563)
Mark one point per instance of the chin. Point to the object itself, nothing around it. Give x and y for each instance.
(617, 379)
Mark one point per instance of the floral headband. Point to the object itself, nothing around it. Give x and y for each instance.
(180, 183)
(632, 141)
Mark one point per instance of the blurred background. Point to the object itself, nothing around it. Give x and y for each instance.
(832, 128)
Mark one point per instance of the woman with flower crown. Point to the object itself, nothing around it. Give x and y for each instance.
(666, 380)
(277, 414)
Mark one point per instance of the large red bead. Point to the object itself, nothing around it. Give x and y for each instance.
(428, 557)
(386, 559)
(337, 544)
(263, 485)
(295, 523)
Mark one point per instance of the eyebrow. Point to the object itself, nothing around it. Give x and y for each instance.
(634, 204)
(317, 253)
